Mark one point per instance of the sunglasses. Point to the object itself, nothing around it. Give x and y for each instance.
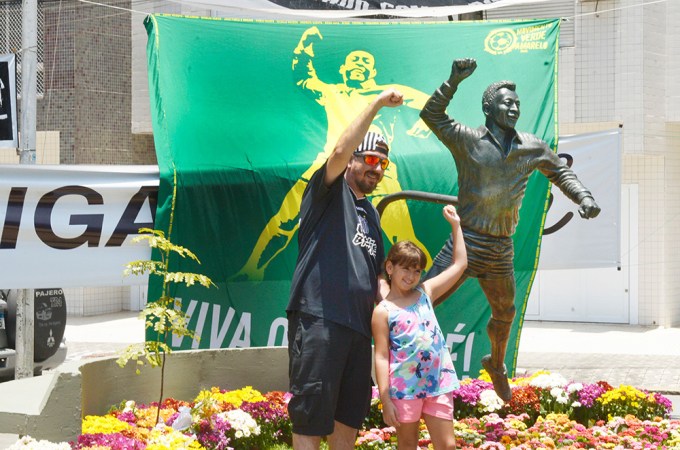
(373, 160)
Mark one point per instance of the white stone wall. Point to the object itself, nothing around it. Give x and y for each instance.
(92, 301)
(624, 68)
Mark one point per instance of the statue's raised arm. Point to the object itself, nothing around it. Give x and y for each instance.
(460, 70)
(434, 113)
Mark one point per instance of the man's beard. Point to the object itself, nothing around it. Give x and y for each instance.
(367, 186)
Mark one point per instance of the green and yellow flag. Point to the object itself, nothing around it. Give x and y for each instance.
(245, 111)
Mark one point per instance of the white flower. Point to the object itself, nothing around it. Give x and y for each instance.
(549, 381)
(242, 422)
(560, 395)
(183, 420)
(129, 406)
(574, 387)
(576, 405)
(28, 443)
(490, 401)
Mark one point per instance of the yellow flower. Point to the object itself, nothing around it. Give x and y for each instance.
(165, 438)
(516, 424)
(139, 434)
(235, 398)
(484, 376)
(548, 442)
(103, 424)
(146, 417)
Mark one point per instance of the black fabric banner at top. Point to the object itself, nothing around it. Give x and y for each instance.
(385, 5)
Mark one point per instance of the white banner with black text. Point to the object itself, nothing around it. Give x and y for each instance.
(72, 226)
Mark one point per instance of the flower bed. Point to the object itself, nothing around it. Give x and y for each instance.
(546, 411)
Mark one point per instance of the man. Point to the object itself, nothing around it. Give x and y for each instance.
(494, 163)
(340, 102)
(334, 288)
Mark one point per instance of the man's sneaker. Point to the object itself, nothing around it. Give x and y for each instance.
(499, 378)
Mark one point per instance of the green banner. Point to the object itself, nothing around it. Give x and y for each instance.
(246, 111)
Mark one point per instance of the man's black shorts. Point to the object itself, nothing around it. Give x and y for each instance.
(330, 375)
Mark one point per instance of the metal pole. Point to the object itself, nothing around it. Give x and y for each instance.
(25, 323)
(27, 143)
(416, 195)
(29, 80)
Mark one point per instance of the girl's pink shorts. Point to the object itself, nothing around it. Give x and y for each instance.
(409, 411)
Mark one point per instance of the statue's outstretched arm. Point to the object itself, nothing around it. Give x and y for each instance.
(562, 176)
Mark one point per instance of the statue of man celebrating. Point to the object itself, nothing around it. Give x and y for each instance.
(494, 163)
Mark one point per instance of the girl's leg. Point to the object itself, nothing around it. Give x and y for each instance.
(441, 432)
(407, 436)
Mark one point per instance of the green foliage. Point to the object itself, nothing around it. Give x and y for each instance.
(164, 315)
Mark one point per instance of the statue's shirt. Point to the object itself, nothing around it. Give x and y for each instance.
(492, 184)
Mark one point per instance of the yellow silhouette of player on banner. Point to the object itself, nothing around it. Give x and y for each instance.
(341, 102)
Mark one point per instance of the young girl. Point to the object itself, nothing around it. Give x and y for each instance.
(413, 367)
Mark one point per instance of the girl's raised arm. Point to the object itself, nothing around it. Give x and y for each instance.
(440, 284)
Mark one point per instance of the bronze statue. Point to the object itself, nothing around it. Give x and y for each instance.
(494, 163)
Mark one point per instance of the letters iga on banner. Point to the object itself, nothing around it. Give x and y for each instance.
(73, 225)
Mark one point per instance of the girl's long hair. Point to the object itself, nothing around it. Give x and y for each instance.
(406, 254)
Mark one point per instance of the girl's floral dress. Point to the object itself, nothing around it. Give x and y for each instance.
(420, 362)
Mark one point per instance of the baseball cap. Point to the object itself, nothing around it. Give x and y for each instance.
(373, 141)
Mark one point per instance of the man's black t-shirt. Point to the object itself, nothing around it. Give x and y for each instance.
(340, 255)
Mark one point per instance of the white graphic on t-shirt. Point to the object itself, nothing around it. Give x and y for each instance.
(364, 240)
(363, 225)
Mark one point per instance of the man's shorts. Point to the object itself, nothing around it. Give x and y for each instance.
(409, 411)
(488, 256)
(330, 375)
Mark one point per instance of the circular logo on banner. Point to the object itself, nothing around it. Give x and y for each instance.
(500, 42)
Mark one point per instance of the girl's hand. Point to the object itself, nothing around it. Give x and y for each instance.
(390, 414)
(451, 215)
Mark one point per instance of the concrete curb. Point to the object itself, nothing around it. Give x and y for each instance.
(52, 406)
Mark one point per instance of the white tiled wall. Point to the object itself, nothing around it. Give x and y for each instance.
(673, 62)
(47, 149)
(670, 306)
(626, 67)
(670, 303)
(91, 301)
